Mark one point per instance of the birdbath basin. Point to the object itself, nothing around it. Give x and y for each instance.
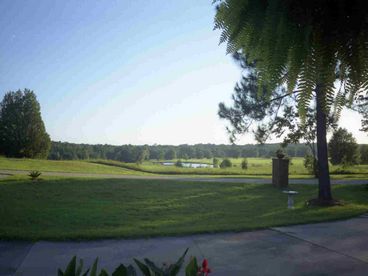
(290, 198)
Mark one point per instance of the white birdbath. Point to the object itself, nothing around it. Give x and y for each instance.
(290, 198)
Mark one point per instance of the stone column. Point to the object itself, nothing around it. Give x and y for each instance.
(280, 172)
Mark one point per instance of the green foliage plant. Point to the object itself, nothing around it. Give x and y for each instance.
(343, 148)
(310, 163)
(226, 163)
(73, 270)
(215, 162)
(147, 268)
(34, 175)
(307, 47)
(22, 131)
(363, 154)
(179, 163)
(244, 164)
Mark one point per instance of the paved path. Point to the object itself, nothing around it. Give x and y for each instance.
(185, 178)
(333, 248)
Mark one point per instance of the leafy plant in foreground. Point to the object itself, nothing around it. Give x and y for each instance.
(147, 267)
(73, 270)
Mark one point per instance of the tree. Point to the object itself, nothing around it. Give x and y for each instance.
(244, 164)
(308, 46)
(143, 154)
(279, 118)
(226, 163)
(170, 154)
(363, 154)
(22, 131)
(215, 162)
(343, 148)
(179, 164)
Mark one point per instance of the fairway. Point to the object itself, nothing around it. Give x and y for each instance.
(60, 208)
(60, 166)
(257, 168)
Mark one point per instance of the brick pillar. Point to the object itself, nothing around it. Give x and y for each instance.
(280, 172)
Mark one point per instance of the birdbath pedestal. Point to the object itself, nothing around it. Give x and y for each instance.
(290, 198)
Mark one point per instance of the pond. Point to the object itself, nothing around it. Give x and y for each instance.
(189, 165)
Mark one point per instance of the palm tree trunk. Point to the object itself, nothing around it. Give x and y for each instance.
(324, 173)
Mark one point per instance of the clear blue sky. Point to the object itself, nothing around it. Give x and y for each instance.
(120, 72)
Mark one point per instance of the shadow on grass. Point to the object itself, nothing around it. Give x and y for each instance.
(79, 208)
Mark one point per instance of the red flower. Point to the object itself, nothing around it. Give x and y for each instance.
(204, 270)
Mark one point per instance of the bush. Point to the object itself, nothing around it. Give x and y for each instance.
(226, 163)
(364, 154)
(311, 164)
(179, 164)
(343, 148)
(244, 164)
(34, 175)
(216, 163)
(148, 268)
(22, 130)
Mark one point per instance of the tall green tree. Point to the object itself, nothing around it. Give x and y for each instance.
(252, 111)
(22, 131)
(170, 154)
(308, 46)
(363, 154)
(343, 148)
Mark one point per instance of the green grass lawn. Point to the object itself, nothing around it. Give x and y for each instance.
(60, 166)
(61, 208)
(264, 166)
(257, 167)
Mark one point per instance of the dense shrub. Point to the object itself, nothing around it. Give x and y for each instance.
(343, 148)
(244, 164)
(226, 163)
(147, 268)
(216, 163)
(363, 154)
(22, 131)
(311, 164)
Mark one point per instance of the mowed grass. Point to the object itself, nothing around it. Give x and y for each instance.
(264, 166)
(257, 167)
(60, 208)
(60, 166)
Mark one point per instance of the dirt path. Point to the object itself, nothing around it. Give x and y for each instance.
(5, 173)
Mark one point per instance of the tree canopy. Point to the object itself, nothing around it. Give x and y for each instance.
(301, 43)
(22, 131)
(318, 49)
(343, 148)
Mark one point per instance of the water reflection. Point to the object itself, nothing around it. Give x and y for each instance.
(188, 165)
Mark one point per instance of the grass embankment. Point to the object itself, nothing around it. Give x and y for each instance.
(257, 168)
(109, 208)
(156, 168)
(60, 166)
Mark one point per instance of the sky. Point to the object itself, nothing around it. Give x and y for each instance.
(123, 72)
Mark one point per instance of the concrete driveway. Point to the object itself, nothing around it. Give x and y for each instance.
(331, 248)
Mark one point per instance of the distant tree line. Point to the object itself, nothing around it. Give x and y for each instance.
(132, 153)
